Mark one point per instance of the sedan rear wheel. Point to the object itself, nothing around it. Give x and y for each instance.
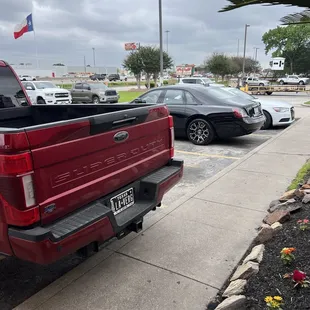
(200, 132)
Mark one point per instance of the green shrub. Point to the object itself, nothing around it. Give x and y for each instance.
(165, 82)
(152, 85)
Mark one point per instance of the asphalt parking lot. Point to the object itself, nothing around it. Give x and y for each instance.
(20, 280)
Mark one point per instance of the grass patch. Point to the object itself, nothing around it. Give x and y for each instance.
(308, 102)
(302, 173)
(127, 96)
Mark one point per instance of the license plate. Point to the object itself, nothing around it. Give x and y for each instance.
(256, 111)
(122, 201)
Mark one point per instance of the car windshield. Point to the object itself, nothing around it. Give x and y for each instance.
(239, 93)
(98, 86)
(43, 85)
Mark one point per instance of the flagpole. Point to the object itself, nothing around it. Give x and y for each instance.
(35, 39)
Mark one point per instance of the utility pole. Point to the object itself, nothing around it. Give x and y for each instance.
(244, 51)
(256, 49)
(161, 42)
(94, 57)
(167, 32)
(84, 63)
(238, 48)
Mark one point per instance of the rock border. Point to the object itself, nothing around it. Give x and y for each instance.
(279, 211)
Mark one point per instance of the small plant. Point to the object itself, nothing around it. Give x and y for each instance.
(299, 277)
(274, 302)
(165, 82)
(304, 224)
(287, 255)
(152, 85)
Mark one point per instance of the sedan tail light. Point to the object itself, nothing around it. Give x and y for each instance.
(239, 113)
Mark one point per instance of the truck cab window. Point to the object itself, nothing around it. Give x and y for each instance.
(11, 93)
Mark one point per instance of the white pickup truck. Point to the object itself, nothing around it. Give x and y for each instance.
(293, 80)
(44, 92)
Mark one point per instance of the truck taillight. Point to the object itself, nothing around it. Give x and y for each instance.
(22, 211)
(171, 128)
(15, 164)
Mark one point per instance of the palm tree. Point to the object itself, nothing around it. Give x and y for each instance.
(298, 18)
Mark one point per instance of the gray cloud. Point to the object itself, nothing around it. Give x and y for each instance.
(67, 30)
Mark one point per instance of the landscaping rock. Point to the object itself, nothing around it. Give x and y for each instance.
(306, 186)
(273, 205)
(308, 182)
(277, 216)
(289, 206)
(245, 271)
(288, 195)
(237, 302)
(256, 254)
(306, 199)
(265, 234)
(276, 226)
(299, 193)
(235, 288)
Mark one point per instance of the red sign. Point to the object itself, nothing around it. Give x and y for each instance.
(131, 46)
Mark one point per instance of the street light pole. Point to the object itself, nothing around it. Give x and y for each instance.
(167, 32)
(238, 48)
(256, 49)
(161, 42)
(244, 51)
(94, 57)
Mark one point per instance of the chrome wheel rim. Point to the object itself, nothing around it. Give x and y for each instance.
(96, 101)
(199, 132)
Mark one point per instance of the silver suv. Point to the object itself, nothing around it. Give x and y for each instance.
(198, 80)
(93, 93)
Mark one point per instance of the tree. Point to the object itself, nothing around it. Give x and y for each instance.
(220, 64)
(134, 63)
(287, 42)
(303, 17)
(147, 60)
(251, 65)
(58, 65)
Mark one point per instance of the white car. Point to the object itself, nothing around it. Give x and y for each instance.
(44, 92)
(199, 80)
(277, 113)
(27, 78)
(293, 80)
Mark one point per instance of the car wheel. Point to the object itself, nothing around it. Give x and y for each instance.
(96, 100)
(281, 82)
(125, 79)
(268, 121)
(34, 79)
(41, 101)
(301, 83)
(200, 132)
(269, 93)
(261, 84)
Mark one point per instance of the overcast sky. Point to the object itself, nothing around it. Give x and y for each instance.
(66, 30)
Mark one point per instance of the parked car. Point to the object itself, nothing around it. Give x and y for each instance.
(198, 80)
(93, 93)
(277, 113)
(293, 80)
(99, 77)
(45, 92)
(27, 78)
(204, 113)
(123, 78)
(114, 77)
(254, 81)
(75, 176)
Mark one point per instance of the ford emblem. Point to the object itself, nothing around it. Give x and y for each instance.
(121, 136)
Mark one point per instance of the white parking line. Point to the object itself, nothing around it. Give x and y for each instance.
(207, 155)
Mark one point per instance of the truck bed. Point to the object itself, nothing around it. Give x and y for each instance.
(37, 115)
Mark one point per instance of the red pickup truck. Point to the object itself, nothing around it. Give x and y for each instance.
(75, 176)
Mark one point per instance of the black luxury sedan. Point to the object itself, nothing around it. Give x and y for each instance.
(204, 113)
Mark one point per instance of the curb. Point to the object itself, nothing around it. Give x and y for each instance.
(305, 105)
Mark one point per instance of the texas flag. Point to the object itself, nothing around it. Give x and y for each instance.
(25, 26)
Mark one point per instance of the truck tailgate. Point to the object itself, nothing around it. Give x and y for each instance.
(80, 162)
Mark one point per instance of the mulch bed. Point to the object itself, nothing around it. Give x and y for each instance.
(269, 281)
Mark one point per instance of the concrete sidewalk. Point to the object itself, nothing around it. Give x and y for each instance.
(188, 249)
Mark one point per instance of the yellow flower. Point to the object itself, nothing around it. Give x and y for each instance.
(274, 304)
(278, 298)
(268, 299)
